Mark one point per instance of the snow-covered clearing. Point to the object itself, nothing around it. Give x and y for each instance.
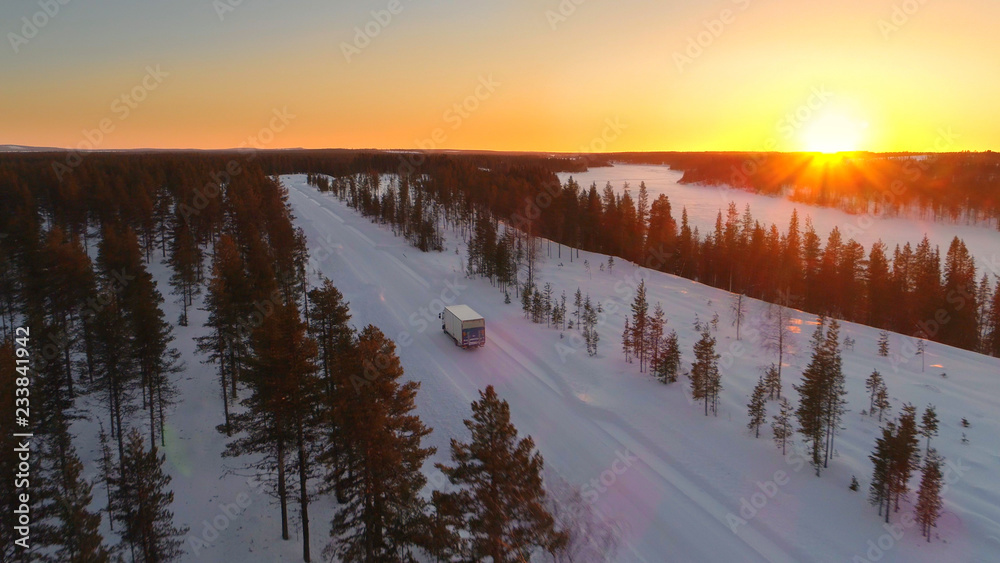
(704, 203)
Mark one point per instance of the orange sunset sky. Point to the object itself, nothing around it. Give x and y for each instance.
(622, 75)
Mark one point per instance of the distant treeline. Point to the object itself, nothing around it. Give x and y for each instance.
(959, 187)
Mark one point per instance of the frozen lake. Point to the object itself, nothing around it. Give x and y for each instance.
(704, 202)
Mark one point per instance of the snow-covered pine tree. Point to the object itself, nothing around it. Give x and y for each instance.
(757, 407)
(502, 500)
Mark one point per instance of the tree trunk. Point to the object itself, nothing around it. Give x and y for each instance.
(303, 495)
(282, 495)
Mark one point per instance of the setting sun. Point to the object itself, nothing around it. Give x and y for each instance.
(832, 133)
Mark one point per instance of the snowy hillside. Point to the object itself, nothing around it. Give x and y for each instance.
(679, 485)
(689, 473)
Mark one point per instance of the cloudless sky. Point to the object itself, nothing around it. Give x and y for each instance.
(569, 75)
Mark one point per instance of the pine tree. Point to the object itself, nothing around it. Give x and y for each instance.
(670, 360)
(382, 516)
(772, 382)
(502, 500)
(115, 366)
(782, 425)
(185, 261)
(527, 299)
(757, 408)
(705, 379)
(627, 341)
(873, 384)
(879, 492)
(77, 537)
(281, 418)
(883, 344)
(547, 304)
(578, 304)
(820, 394)
(835, 404)
(654, 337)
(882, 400)
(929, 426)
(640, 316)
(929, 503)
(739, 312)
(777, 336)
(141, 502)
(226, 343)
(590, 335)
(537, 307)
(905, 453)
